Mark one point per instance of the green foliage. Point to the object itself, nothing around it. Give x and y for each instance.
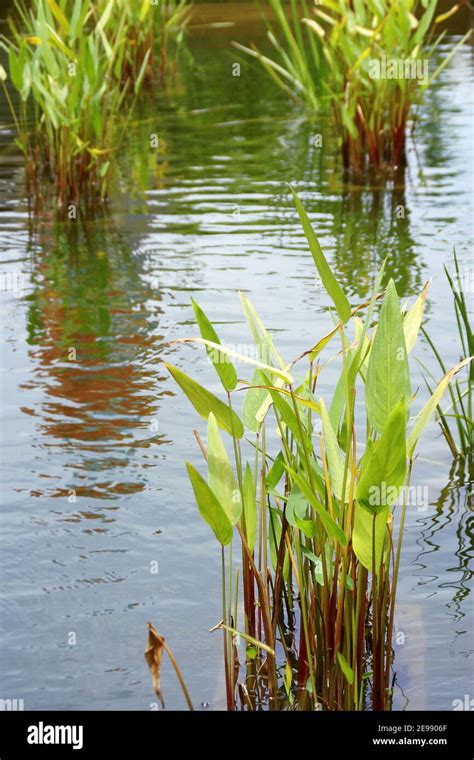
(314, 517)
(77, 66)
(147, 28)
(388, 377)
(460, 410)
(369, 59)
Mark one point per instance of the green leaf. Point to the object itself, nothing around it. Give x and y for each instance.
(250, 508)
(224, 368)
(288, 416)
(276, 471)
(425, 414)
(254, 398)
(388, 377)
(296, 506)
(331, 527)
(346, 668)
(281, 373)
(104, 169)
(220, 475)
(141, 73)
(15, 70)
(334, 457)
(318, 565)
(362, 535)
(262, 339)
(209, 507)
(205, 402)
(274, 535)
(383, 470)
(413, 318)
(256, 326)
(59, 16)
(332, 286)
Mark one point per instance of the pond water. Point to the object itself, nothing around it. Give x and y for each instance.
(93, 432)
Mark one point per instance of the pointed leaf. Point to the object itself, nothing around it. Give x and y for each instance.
(220, 475)
(346, 668)
(362, 535)
(335, 457)
(388, 378)
(281, 373)
(413, 319)
(331, 527)
(224, 368)
(383, 470)
(332, 286)
(254, 398)
(209, 507)
(205, 402)
(250, 508)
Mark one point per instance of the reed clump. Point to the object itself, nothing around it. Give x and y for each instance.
(456, 420)
(370, 60)
(315, 496)
(77, 67)
(149, 28)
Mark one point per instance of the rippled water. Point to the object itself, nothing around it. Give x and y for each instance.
(94, 436)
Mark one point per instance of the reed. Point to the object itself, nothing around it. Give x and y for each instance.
(369, 59)
(315, 496)
(63, 71)
(456, 421)
(77, 67)
(149, 26)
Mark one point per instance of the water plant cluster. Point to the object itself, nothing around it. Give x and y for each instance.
(369, 60)
(77, 67)
(316, 496)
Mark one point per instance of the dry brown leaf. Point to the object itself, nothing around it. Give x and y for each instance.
(153, 656)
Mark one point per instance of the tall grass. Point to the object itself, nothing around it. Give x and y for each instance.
(148, 28)
(370, 59)
(456, 421)
(77, 67)
(64, 72)
(316, 495)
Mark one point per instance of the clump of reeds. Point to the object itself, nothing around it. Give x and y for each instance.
(63, 71)
(311, 496)
(77, 67)
(148, 26)
(458, 415)
(370, 59)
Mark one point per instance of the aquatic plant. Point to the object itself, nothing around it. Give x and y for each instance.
(148, 26)
(369, 59)
(317, 493)
(78, 66)
(460, 410)
(63, 71)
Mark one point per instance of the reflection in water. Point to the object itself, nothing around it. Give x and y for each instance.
(92, 331)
